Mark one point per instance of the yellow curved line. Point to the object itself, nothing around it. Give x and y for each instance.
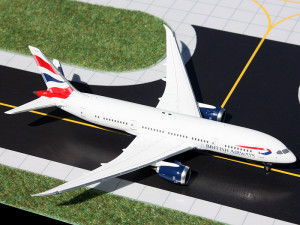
(298, 14)
(266, 12)
(270, 27)
(67, 120)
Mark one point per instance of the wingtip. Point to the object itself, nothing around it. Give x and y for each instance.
(168, 29)
(35, 195)
(53, 191)
(9, 112)
(46, 193)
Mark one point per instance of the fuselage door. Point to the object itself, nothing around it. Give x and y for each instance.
(133, 124)
(214, 142)
(82, 112)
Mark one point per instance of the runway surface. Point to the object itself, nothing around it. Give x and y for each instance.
(265, 100)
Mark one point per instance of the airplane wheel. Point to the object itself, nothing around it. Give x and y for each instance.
(267, 167)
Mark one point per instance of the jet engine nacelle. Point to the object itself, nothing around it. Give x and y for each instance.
(174, 172)
(212, 112)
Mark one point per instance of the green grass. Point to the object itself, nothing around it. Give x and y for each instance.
(98, 37)
(82, 206)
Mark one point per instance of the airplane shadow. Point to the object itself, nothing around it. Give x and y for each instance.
(191, 72)
(82, 197)
(228, 118)
(80, 85)
(194, 80)
(47, 119)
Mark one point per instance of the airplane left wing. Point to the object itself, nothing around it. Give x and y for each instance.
(143, 151)
(178, 96)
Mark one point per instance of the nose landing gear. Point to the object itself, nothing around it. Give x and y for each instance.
(267, 167)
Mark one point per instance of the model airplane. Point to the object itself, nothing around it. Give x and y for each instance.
(176, 125)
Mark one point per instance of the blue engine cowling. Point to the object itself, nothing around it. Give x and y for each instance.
(178, 174)
(211, 112)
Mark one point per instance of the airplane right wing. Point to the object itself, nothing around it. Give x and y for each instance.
(143, 151)
(178, 96)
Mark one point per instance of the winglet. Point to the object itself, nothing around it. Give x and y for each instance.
(168, 29)
(47, 193)
(44, 194)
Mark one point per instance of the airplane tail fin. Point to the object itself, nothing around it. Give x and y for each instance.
(58, 86)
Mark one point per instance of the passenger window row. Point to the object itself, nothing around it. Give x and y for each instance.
(178, 135)
(237, 148)
(198, 139)
(149, 128)
(173, 134)
(116, 121)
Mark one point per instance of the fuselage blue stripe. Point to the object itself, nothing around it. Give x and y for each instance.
(49, 78)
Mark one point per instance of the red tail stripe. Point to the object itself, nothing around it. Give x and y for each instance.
(56, 92)
(44, 64)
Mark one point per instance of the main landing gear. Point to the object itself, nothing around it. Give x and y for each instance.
(267, 167)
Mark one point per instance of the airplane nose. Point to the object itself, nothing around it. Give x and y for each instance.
(291, 157)
(286, 156)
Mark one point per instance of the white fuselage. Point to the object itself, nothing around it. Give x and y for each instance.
(202, 133)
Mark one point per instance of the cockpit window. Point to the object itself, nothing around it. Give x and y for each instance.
(279, 152)
(285, 151)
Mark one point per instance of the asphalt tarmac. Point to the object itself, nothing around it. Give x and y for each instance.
(266, 100)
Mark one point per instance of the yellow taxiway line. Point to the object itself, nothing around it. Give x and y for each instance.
(68, 120)
(270, 27)
(101, 128)
(256, 165)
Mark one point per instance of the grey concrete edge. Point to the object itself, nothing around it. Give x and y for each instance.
(136, 191)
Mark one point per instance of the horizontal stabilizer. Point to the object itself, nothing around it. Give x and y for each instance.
(39, 103)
